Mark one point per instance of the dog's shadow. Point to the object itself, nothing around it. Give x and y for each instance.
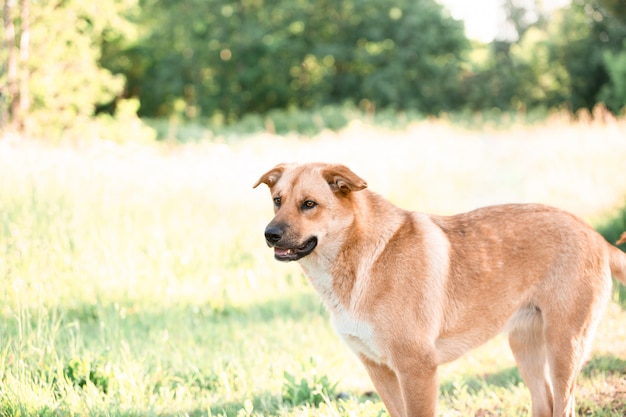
(510, 377)
(506, 378)
(604, 364)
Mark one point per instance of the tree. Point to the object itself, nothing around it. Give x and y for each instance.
(616, 7)
(54, 79)
(219, 58)
(613, 94)
(10, 91)
(586, 33)
(24, 95)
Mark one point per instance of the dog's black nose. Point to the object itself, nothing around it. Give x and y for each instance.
(273, 234)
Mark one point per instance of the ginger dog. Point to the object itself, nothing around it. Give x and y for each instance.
(409, 291)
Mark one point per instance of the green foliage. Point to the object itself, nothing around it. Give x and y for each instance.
(612, 229)
(124, 127)
(587, 33)
(59, 65)
(224, 59)
(269, 62)
(616, 7)
(65, 79)
(82, 371)
(281, 122)
(311, 389)
(614, 92)
(533, 56)
(561, 61)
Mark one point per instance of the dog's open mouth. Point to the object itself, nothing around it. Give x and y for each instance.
(293, 254)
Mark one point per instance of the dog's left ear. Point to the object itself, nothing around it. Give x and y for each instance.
(272, 176)
(342, 179)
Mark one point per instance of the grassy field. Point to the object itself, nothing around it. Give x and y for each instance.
(136, 281)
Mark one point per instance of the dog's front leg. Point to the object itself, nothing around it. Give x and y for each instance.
(407, 392)
(387, 385)
(418, 383)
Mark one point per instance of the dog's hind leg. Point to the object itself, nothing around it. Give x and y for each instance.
(567, 353)
(526, 339)
(568, 334)
(566, 358)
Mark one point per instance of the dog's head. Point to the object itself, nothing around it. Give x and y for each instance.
(313, 205)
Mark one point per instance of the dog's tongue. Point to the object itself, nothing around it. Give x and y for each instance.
(282, 251)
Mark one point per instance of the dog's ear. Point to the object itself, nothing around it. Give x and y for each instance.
(272, 176)
(342, 179)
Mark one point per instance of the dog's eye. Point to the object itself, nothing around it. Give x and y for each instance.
(277, 201)
(308, 204)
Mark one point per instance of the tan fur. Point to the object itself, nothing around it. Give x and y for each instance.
(410, 291)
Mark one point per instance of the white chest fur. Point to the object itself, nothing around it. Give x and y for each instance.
(355, 332)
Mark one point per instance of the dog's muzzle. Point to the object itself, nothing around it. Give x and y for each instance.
(286, 251)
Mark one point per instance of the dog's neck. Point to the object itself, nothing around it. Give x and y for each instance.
(338, 272)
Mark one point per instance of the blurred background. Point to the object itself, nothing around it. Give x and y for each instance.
(219, 62)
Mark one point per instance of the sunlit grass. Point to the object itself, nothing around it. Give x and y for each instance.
(136, 280)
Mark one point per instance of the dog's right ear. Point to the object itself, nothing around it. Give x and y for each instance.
(272, 176)
(341, 179)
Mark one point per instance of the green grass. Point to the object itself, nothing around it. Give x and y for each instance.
(328, 118)
(136, 282)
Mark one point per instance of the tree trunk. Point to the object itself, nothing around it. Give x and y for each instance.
(24, 94)
(12, 88)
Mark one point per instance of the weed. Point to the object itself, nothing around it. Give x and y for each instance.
(82, 371)
(311, 389)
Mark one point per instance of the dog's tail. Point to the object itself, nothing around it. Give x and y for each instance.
(618, 261)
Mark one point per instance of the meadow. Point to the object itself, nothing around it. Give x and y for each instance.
(135, 280)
